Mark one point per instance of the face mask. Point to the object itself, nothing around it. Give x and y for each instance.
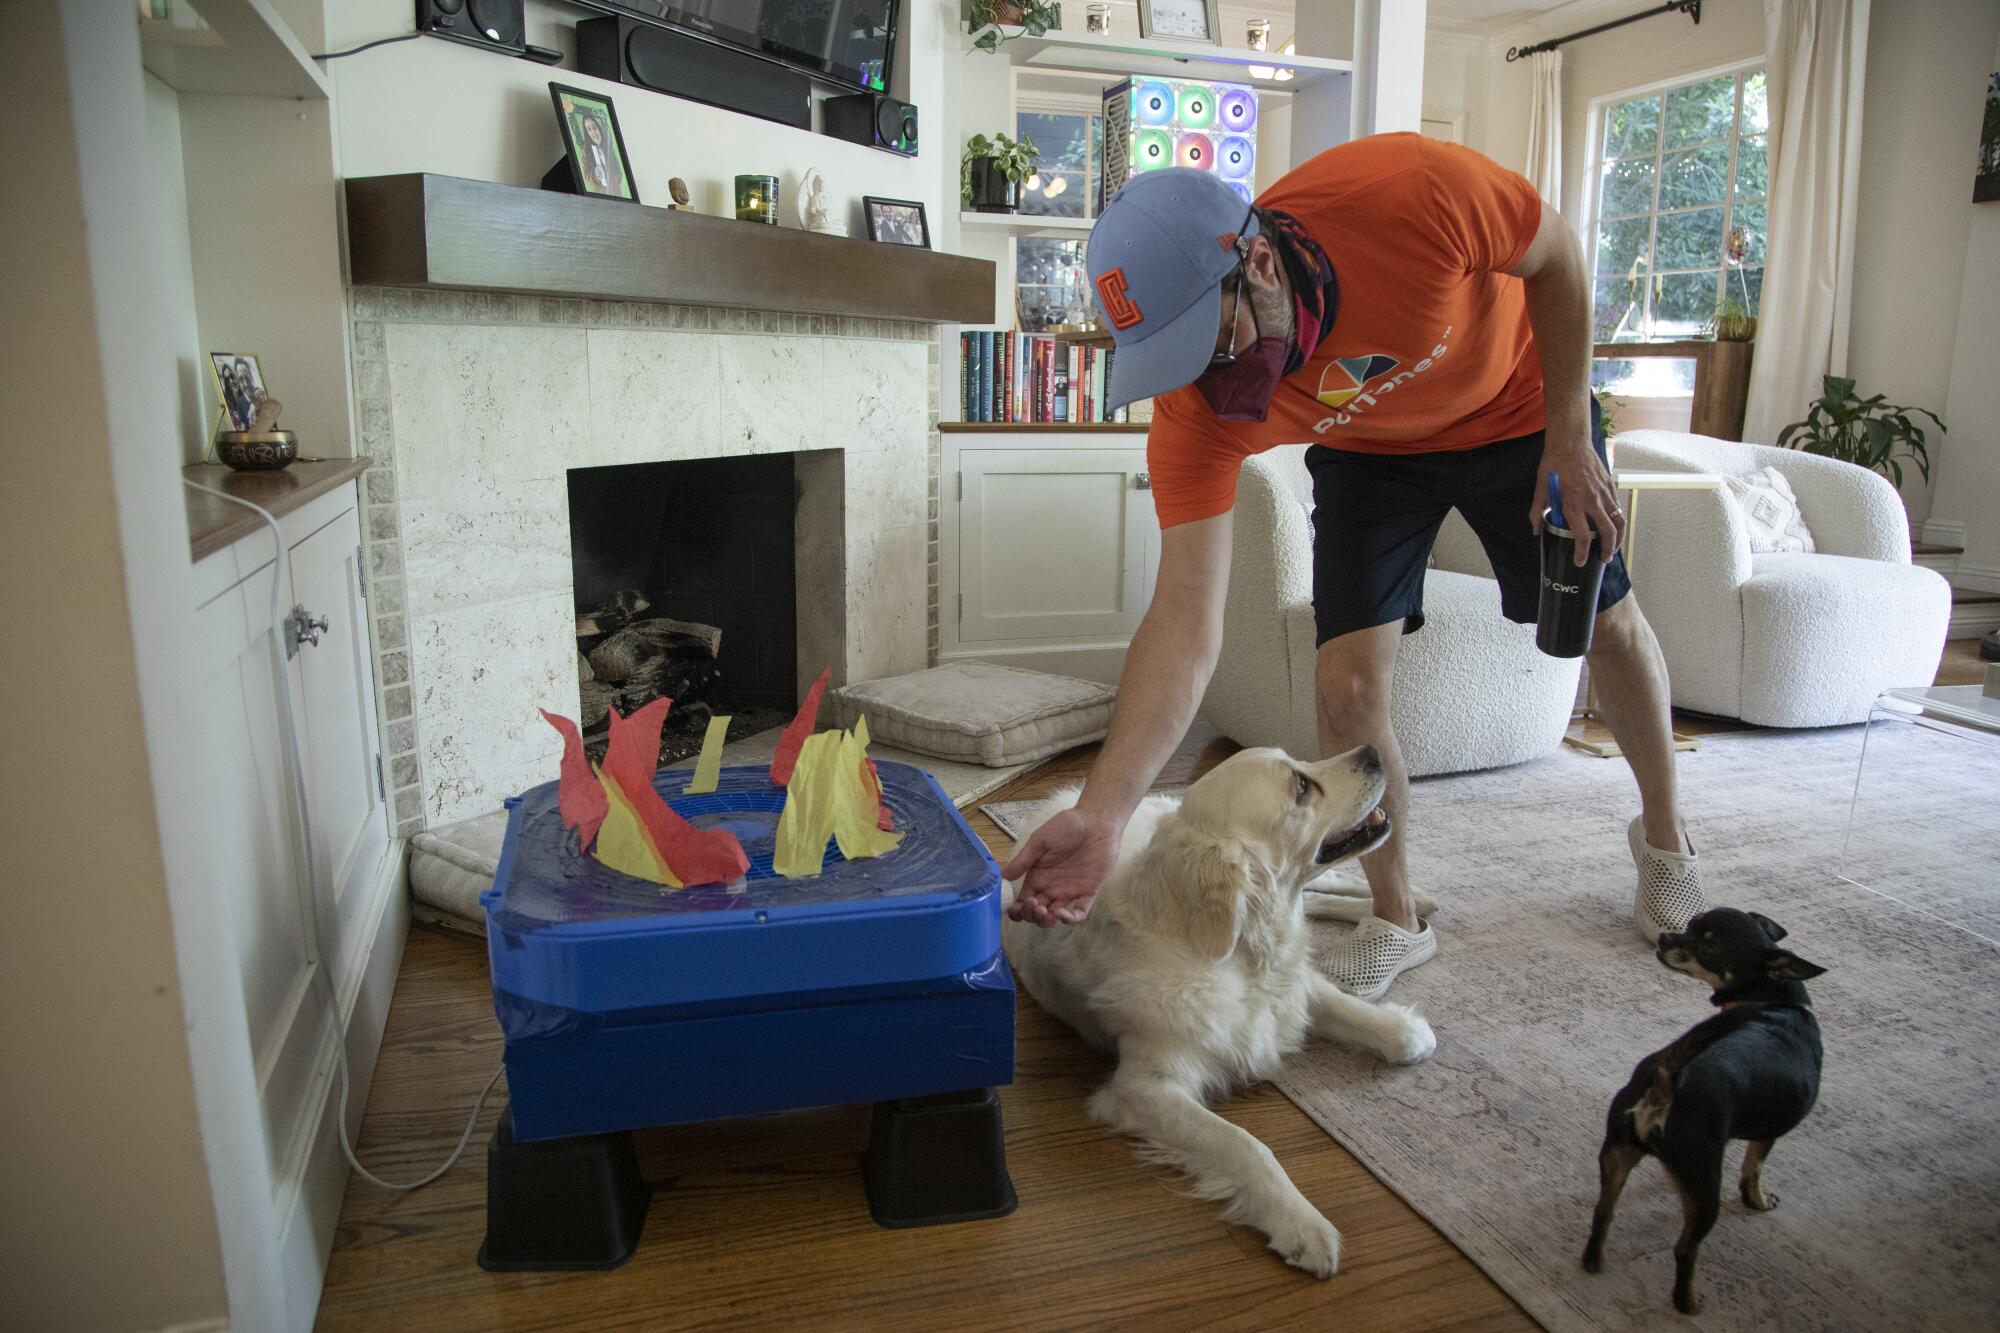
(1243, 389)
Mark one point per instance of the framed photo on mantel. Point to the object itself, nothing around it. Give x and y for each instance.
(1191, 21)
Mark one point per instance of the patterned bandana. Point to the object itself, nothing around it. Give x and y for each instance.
(1315, 289)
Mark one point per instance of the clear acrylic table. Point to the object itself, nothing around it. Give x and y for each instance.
(1960, 715)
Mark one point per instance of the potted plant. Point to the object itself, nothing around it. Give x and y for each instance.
(1867, 431)
(991, 172)
(1033, 17)
(1732, 321)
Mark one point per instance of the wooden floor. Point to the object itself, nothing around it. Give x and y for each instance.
(762, 1223)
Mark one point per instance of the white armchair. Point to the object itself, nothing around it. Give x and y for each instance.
(1781, 640)
(1471, 689)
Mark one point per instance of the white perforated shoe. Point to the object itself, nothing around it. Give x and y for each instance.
(1670, 892)
(1375, 954)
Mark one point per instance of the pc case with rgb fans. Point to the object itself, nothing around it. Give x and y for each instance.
(1153, 123)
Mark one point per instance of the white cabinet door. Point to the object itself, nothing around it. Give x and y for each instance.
(259, 869)
(1052, 545)
(333, 689)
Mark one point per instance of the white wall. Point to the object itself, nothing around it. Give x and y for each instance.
(438, 106)
(109, 1223)
(1968, 476)
(1925, 92)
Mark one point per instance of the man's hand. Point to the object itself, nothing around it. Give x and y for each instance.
(1590, 497)
(1061, 866)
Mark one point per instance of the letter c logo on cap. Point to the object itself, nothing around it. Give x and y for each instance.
(1118, 307)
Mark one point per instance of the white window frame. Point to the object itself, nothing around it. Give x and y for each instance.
(1594, 163)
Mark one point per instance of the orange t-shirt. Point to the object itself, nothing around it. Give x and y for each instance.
(1430, 348)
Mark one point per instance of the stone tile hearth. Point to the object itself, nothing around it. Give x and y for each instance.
(475, 407)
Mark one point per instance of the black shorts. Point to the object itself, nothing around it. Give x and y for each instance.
(1376, 515)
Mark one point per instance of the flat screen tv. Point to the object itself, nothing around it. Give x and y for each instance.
(849, 42)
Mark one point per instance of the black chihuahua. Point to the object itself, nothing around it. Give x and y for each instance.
(1750, 1072)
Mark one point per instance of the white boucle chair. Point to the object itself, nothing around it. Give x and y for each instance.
(1471, 690)
(1781, 640)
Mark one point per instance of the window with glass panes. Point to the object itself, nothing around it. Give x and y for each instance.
(1048, 271)
(1680, 208)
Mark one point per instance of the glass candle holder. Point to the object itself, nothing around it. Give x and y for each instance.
(1097, 19)
(757, 199)
(1259, 34)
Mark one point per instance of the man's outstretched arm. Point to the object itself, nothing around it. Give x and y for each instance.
(1166, 671)
(1558, 292)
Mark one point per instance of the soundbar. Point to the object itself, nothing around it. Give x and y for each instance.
(668, 61)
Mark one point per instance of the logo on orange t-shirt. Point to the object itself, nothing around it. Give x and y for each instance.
(1347, 376)
(1119, 307)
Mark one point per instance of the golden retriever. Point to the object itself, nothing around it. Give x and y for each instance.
(1194, 967)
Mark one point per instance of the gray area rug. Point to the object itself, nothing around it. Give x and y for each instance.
(1544, 998)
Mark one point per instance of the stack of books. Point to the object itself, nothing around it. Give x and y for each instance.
(1033, 377)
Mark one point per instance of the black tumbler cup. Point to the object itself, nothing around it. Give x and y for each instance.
(1568, 609)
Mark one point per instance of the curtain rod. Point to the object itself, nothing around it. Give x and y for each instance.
(1692, 8)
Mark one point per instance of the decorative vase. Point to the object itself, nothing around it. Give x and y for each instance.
(1097, 19)
(757, 199)
(992, 192)
(1258, 34)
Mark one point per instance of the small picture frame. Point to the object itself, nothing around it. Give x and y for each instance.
(1191, 21)
(239, 388)
(897, 221)
(595, 145)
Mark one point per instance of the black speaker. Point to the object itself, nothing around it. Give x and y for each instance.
(875, 119)
(668, 61)
(495, 24)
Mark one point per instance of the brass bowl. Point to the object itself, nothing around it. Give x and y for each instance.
(256, 450)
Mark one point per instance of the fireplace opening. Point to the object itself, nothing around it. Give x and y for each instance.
(686, 586)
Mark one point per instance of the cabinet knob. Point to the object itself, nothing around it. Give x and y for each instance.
(304, 628)
(1143, 480)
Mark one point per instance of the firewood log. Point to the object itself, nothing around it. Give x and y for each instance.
(615, 659)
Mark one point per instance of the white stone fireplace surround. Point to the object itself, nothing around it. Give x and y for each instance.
(475, 406)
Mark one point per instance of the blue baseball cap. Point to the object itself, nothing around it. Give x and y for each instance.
(1157, 259)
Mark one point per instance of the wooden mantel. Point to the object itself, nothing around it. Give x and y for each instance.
(440, 231)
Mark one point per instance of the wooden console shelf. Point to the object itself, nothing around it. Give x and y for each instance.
(1721, 379)
(214, 524)
(440, 231)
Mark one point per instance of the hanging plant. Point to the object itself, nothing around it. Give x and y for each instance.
(1033, 17)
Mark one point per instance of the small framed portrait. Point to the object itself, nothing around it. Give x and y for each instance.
(1179, 20)
(897, 221)
(239, 387)
(594, 142)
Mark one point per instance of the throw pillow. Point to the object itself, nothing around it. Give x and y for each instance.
(1770, 511)
(978, 713)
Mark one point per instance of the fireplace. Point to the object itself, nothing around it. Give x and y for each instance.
(482, 411)
(686, 586)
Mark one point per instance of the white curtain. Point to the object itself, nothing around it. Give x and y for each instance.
(1817, 52)
(1545, 125)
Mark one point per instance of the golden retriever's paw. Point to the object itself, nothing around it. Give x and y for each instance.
(1308, 1242)
(1405, 1037)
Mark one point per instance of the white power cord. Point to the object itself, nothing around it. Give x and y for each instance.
(297, 766)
